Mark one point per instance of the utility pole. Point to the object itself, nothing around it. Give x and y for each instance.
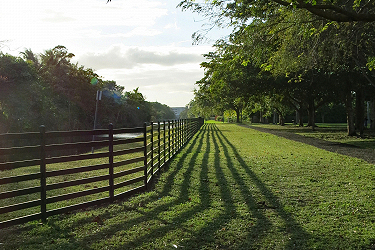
(98, 98)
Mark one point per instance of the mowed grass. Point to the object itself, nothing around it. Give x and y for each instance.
(65, 178)
(334, 132)
(230, 188)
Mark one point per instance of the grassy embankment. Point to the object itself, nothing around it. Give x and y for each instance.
(230, 188)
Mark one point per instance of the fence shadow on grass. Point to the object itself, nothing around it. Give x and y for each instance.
(53, 223)
(195, 145)
(298, 236)
(205, 236)
(180, 184)
(184, 167)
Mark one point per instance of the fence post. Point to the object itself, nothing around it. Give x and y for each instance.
(189, 126)
(169, 140)
(184, 120)
(180, 121)
(43, 191)
(145, 152)
(164, 141)
(177, 135)
(159, 145)
(174, 137)
(110, 147)
(152, 150)
(181, 131)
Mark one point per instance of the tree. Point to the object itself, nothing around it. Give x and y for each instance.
(29, 56)
(48, 89)
(21, 95)
(139, 108)
(311, 53)
(161, 112)
(333, 10)
(340, 11)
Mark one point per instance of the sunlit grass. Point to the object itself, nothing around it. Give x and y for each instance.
(65, 178)
(230, 188)
(334, 132)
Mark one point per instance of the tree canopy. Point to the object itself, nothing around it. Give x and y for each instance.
(332, 10)
(290, 54)
(48, 89)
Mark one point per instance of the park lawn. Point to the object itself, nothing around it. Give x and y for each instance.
(334, 132)
(230, 188)
(70, 177)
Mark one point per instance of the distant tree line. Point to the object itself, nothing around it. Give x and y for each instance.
(48, 89)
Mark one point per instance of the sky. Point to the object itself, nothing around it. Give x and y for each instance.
(143, 43)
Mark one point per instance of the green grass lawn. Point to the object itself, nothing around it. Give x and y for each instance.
(230, 188)
(335, 132)
(64, 178)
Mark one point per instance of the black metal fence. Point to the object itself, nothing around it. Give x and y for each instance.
(126, 161)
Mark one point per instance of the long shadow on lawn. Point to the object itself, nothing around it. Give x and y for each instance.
(183, 197)
(123, 225)
(298, 236)
(206, 236)
(176, 223)
(262, 223)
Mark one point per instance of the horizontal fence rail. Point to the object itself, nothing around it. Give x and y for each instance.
(49, 173)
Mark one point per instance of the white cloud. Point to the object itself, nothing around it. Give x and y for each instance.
(172, 85)
(118, 57)
(57, 17)
(172, 26)
(46, 23)
(143, 43)
(138, 31)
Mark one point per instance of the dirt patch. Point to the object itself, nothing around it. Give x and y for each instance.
(340, 148)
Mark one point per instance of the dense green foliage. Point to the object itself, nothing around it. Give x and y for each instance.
(279, 59)
(48, 89)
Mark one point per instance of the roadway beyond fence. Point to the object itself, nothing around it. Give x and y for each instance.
(45, 173)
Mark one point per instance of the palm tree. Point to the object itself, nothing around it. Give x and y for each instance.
(28, 55)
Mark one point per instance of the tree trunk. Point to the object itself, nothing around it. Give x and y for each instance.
(238, 115)
(274, 117)
(300, 116)
(281, 120)
(360, 114)
(350, 114)
(311, 114)
(281, 117)
(372, 114)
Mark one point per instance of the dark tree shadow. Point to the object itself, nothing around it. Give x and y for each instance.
(205, 151)
(298, 236)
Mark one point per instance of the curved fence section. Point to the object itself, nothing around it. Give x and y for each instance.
(48, 173)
